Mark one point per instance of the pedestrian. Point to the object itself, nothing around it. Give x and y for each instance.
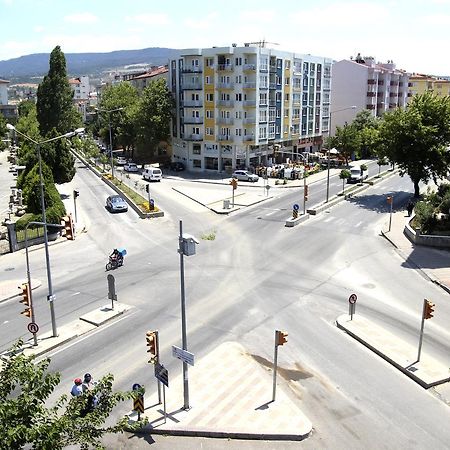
(410, 208)
(77, 388)
(88, 385)
(88, 382)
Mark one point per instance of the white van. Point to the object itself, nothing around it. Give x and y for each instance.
(357, 175)
(152, 174)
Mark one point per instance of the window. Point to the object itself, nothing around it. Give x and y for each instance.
(238, 114)
(196, 149)
(238, 132)
(286, 112)
(209, 97)
(238, 79)
(262, 132)
(195, 97)
(287, 64)
(209, 114)
(209, 131)
(287, 81)
(194, 62)
(238, 97)
(238, 61)
(195, 130)
(286, 97)
(195, 113)
(197, 163)
(208, 79)
(209, 62)
(263, 115)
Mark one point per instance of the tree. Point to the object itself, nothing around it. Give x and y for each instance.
(122, 95)
(3, 130)
(347, 140)
(417, 138)
(26, 107)
(25, 386)
(54, 104)
(344, 175)
(153, 116)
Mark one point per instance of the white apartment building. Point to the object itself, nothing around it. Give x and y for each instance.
(8, 111)
(81, 90)
(363, 83)
(243, 106)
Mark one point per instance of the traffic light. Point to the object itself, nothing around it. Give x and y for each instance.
(68, 227)
(147, 188)
(234, 183)
(429, 309)
(26, 300)
(152, 344)
(305, 193)
(76, 193)
(281, 337)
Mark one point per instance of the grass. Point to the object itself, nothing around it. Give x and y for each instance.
(211, 236)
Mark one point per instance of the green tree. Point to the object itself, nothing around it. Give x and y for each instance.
(344, 175)
(54, 104)
(27, 419)
(417, 138)
(347, 140)
(122, 95)
(153, 116)
(3, 130)
(26, 107)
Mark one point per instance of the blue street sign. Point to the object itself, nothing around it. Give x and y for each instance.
(136, 386)
(296, 207)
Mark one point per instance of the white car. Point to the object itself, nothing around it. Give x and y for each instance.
(131, 167)
(245, 175)
(121, 161)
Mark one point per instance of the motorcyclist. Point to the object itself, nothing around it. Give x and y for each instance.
(116, 256)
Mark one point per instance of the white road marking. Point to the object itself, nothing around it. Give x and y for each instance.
(358, 224)
(75, 293)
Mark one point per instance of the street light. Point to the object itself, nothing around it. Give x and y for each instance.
(109, 111)
(328, 153)
(50, 297)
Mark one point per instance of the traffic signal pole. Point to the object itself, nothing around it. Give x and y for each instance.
(275, 365)
(427, 313)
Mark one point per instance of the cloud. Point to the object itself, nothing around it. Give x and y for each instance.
(436, 19)
(38, 29)
(261, 16)
(206, 22)
(81, 18)
(11, 49)
(149, 19)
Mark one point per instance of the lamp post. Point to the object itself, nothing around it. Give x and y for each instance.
(50, 297)
(109, 111)
(328, 153)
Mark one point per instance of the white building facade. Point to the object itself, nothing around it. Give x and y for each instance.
(377, 87)
(238, 107)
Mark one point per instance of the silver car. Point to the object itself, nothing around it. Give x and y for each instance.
(115, 203)
(245, 175)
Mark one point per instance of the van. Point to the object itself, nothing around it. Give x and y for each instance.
(152, 174)
(357, 175)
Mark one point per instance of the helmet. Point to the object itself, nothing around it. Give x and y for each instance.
(77, 381)
(87, 376)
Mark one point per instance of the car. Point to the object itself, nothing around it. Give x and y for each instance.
(131, 167)
(245, 175)
(115, 203)
(152, 174)
(121, 160)
(177, 166)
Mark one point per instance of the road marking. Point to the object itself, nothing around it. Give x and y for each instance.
(75, 293)
(358, 224)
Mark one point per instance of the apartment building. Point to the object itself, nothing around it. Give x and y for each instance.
(7, 110)
(362, 83)
(238, 107)
(81, 90)
(419, 84)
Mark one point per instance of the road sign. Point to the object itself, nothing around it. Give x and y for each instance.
(138, 404)
(295, 207)
(162, 374)
(184, 355)
(111, 287)
(33, 327)
(136, 386)
(352, 299)
(267, 187)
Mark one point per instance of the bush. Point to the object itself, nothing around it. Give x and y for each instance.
(425, 216)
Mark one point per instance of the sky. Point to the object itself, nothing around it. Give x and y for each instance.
(413, 33)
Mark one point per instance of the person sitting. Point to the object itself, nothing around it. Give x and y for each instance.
(116, 256)
(77, 388)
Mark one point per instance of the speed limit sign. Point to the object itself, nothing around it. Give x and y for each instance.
(352, 299)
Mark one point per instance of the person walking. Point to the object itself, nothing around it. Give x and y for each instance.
(410, 208)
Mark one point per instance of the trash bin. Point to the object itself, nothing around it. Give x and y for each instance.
(226, 204)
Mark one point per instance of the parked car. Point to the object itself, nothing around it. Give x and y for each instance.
(131, 167)
(115, 203)
(152, 174)
(121, 160)
(177, 166)
(245, 175)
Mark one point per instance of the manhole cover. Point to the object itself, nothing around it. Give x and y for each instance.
(8, 269)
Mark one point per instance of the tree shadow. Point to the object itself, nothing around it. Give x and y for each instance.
(379, 203)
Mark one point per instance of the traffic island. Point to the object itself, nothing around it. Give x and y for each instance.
(427, 372)
(230, 396)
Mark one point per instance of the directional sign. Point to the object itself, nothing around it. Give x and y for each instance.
(111, 287)
(33, 327)
(138, 404)
(184, 355)
(162, 374)
(295, 207)
(352, 299)
(136, 386)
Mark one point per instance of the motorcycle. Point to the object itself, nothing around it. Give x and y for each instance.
(116, 261)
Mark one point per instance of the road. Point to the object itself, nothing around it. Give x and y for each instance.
(254, 277)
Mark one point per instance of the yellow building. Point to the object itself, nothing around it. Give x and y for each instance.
(419, 83)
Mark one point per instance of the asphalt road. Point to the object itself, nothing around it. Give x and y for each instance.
(254, 277)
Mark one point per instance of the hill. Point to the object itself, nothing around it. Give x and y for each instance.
(36, 65)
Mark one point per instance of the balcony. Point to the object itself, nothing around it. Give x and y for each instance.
(225, 67)
(248, 120)
(192, 86)
(248, 138)
(191, 103)
(249, 85)
(193, 137)
(192, 69)
(272, 68)
(225, 138)
(192, 119)
(249, 67)
(393, 94)
(380, 82)
(225, 85)
(272, 85)
(250, 103)
(225, 120)
(263, 86)
(263, 68)
(371, 94)
(394, 83)
(225, 103)
(371, 81)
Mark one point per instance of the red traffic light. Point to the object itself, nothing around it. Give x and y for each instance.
(281, 337)
(26, 300)
(429, 309)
